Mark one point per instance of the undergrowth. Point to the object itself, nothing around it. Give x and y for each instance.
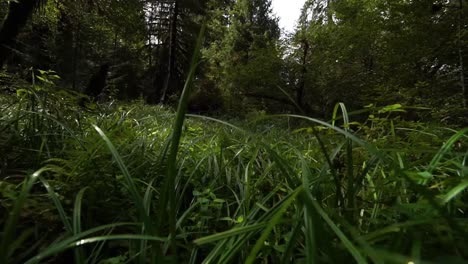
(132, 183)
(87, 185)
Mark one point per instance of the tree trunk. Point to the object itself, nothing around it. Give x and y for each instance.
(18, 14)
(172, 51)
(76, 57)
(301, 89)
(460, 56)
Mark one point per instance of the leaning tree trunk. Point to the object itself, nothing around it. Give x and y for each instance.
(18, 14)
(172, 51)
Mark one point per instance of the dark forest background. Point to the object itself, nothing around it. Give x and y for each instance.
(356, 52)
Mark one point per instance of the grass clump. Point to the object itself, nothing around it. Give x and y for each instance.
(261, 192)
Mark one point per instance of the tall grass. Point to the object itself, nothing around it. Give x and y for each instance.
(140, 184)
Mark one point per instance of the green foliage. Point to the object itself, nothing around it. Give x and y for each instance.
(384, 52)
(116, 182)
(323, 192)
(245, 62)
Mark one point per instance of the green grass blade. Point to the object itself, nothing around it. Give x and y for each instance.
(347, 134)
(455, 191)
(219, 121)
(77, 211)
(447, 147)
(76, 227)
(79, 254)
(130, 183)
(346, 242)
(292, 241)
(147, 227)
(310, 224)
(12, 221)
(291, 99)
(96, 252)
(344, 115)
(147, 199)
(284, 167)
(271, 224)
(20, 239)
(77, 241)
(227, 248)
(230, 233)
(168, 200)
(350, 194)
(58, 205)
(66, 128)
(310, 234)
(60, 246)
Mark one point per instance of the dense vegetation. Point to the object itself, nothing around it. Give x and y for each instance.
(344, 141)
